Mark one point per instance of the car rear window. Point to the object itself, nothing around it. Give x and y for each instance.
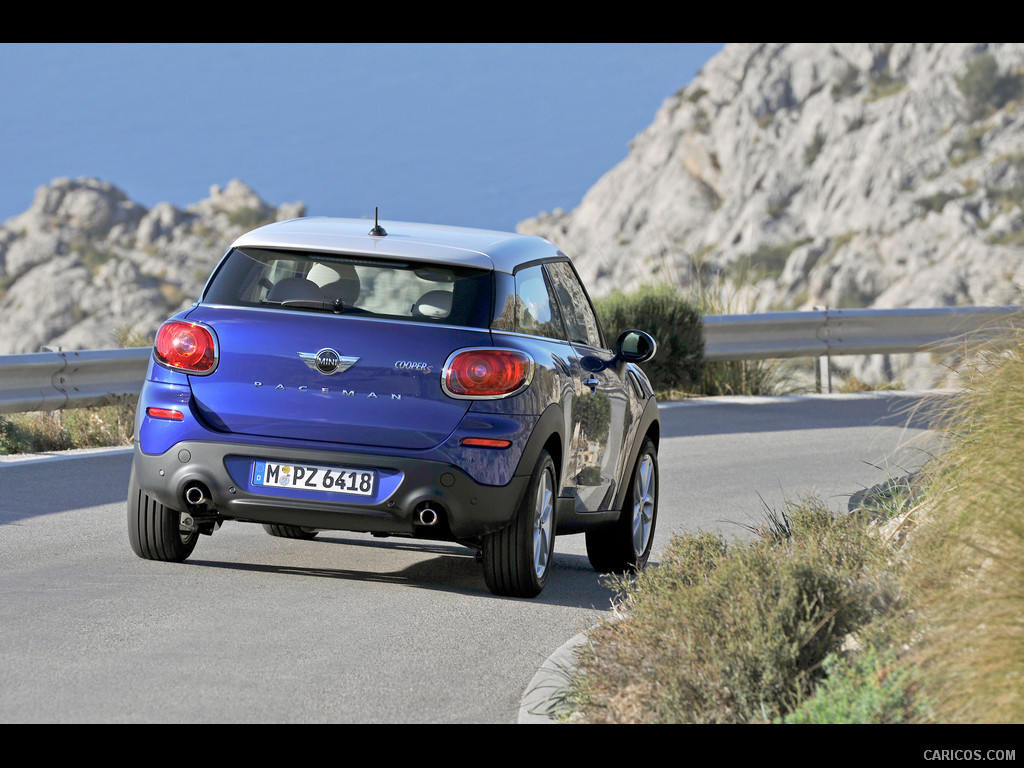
(309, 281)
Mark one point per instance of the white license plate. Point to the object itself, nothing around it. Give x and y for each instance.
(310, 477)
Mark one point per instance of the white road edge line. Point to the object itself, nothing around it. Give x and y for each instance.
(77, 453)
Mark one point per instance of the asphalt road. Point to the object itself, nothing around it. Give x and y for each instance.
(352, 629)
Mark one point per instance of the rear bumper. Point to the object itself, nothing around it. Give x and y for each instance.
(405, 485)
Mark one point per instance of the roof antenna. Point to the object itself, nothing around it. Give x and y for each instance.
(378, 230)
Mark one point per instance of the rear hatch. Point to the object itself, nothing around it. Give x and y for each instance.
(387, 392)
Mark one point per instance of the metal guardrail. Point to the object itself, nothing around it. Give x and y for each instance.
(46, 381)
(835, 332)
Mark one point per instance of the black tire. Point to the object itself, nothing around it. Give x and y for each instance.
(517, 559)
(626, 545)
(154, 530)
(289, 531)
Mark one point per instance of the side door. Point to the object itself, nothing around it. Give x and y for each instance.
(599, 409)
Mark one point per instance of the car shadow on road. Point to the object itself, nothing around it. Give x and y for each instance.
(573, 583)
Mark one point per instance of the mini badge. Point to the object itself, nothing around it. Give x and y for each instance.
(328, 361)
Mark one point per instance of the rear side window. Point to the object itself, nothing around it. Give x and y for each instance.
(536, 309)
(318, 282)
(580, 319)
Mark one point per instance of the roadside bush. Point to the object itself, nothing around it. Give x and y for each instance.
(741, 631)
(675, 325)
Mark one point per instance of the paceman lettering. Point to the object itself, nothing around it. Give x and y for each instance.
(328, 390)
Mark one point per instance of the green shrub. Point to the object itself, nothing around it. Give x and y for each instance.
(985, 89)
(812, 150)
(967, 147)
(936, 202)
(884, 84)
(770, 260)
(872, 687)
(847, 84)
(249, 218)
(675, 325)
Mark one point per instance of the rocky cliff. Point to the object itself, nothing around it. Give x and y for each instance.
(815, 174)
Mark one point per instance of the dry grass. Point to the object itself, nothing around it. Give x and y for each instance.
(45, 431)
(720, 294)
(968, 552)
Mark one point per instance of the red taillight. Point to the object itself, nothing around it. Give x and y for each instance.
(186, 347)
(487, 372)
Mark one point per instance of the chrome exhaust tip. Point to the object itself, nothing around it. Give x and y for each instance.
(195, 495)
(428, 516)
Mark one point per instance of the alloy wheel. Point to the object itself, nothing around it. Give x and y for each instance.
(644, 496)
(543, 524)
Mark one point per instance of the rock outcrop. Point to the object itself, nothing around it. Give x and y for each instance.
(87, 268)
(821, 175)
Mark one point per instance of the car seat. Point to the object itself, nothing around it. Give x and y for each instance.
(436, 304)
(294, 289)
(338, 282)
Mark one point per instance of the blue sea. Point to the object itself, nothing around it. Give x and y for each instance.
(473, 134)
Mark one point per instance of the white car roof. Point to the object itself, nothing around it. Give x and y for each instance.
(458, 246)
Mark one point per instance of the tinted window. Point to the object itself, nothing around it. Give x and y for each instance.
(311, 281)
(580, 320)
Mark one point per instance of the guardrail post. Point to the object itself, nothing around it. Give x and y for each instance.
(821, 363)
(824, 334)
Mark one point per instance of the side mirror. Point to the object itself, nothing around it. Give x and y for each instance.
(635, 346)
